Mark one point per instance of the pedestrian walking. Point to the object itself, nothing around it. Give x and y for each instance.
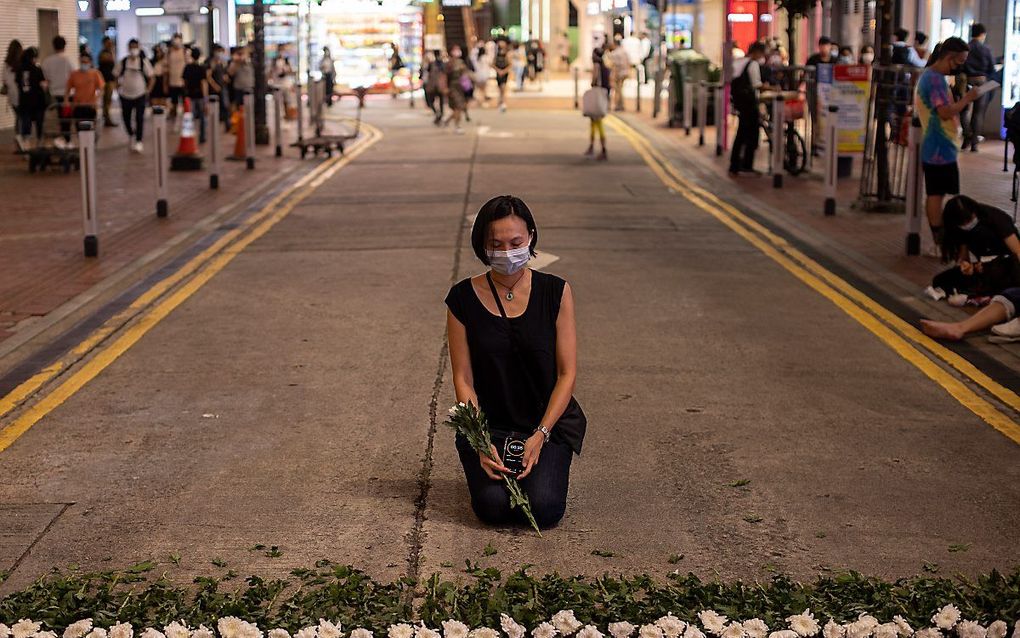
(596, 102)
(218, 79)
(979, 69)
(619, 62)
(176, 60)
(526, 394)
(242, 75)
(501, 69)
(435, 85)
(328, 69)
(482, 65)
(56, 68)
(458, 83)
(519, 61)
(196, 88)
(396, 64)
(12, 61)
(105, 64)
(744, 95)
(32, 87)
(85, 90)
(284, 79)
(159, 94)
(940, 128)
(135, 79)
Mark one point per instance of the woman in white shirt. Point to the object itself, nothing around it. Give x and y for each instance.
(10, 83)
(482, 64)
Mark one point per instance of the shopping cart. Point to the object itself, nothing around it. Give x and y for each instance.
(58, 144)
(328, 143)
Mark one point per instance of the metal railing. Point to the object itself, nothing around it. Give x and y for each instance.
(884, 174)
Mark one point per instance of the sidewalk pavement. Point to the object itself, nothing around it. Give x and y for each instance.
(41, 260)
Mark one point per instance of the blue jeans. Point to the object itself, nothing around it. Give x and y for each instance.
(546, 486)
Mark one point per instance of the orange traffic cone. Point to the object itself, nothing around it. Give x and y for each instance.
(240, 153)
(187, 157)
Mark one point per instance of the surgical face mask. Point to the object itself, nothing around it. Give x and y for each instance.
(845, 59)
(85, 66)
(971, 224)
(868, 58)
(133, 52)
(508, 262)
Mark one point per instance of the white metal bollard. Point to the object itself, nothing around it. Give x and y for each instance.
(577, 89)
(719, 115)
(688, 106)
(278, 107)
(162, 165)
(702, 111)
(87, 165)
(213, 116)
(249, 130)
(313, 98)
(832, 163)
(915, 193)
(778, 142)
(638, 88)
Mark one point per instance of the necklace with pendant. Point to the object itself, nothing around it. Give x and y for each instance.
(510, 289)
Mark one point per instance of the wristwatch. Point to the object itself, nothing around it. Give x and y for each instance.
(545, 432)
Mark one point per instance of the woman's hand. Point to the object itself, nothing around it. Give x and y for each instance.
(966, 267)
(494, 469)
(532, 450)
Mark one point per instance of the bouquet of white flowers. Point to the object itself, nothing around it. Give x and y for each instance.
(470, 422)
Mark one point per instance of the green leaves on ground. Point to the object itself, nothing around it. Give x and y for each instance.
(144, 597)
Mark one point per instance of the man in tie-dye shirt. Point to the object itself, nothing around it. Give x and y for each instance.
(940, 128)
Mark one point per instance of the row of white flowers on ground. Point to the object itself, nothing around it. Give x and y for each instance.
(947, 622)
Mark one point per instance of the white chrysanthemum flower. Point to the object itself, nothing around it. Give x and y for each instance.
(420, 631)
(650, 631)
(484, 632)
(970, 629)
(361, 632)
(784, 633)
(565, 622)
(97, 632)
(947, 617)
(122, 630)
(544, 630)
(693, 632)
(621, 629)
(1016, 629)
(511, 627)
(229, 627)
(886, 630)
(153, 633)
(306, 632)
(861, 628)
(201, 632)
(454, 629)
(903, 628)
(177, 630)
(25, 628)
(756, 628)
(671, 626)
(46, 634)
(712, 622)
(78, 629)
(278, 633)
(733, 630)
(400, 630)
(804, 624)
(868, 621)
(5, 631)
(833, 629)
(929, 632)
(326, 629)
(590, 631)
(997, 629)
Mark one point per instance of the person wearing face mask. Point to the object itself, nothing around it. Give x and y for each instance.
(84, 88)
(846, 56)
(135, 78)
(458, 83)
(867, 55)
(940, 128)
(105, 64)
(176, 60)
(513, 349)
(990, 236)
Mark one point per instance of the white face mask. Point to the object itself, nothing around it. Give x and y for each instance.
(970, 225)
(508, 262)
(868, 58)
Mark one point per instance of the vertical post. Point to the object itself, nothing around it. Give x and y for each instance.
(577, 88)
(410, 83)
(212, 106)
(259, 65)
(87, 164)
(719, 117)
(688, 106)
(777, 141)
(278, 102)
(249, 130)
(832, 162)
(915, 179)
(702, 111)
(160, 152)
(637, 74)
(300, 116)
(313, 89)
(320, 92)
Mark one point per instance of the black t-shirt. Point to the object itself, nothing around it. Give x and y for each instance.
(817, 59)
(30, 91)
(988, 238)
(194, 74)
(505, 394)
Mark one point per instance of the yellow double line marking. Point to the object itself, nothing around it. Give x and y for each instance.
(152, 309)
(889, 328)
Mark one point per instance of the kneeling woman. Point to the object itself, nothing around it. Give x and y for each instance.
(513, 347)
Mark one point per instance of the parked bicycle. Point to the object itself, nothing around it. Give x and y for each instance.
(795, 148)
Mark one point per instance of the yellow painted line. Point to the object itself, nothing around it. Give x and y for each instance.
(909, 331)
(269, 217)
(707, 202)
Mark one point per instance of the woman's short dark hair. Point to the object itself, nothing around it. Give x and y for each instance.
(951, 45)
(957, 212)
(497, 208)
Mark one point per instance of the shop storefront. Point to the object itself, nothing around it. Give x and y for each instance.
(155, 21)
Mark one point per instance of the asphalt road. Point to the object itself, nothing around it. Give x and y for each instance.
(293, 399)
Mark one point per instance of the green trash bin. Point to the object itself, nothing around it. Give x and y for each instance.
(685, 65)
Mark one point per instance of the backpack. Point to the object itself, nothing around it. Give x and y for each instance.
(1011, 121)
(741, 92)
(900, 54)
(141, 67)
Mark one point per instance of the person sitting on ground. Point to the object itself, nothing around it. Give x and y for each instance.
(1000, 315)
(527, 396)
(987, 233)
